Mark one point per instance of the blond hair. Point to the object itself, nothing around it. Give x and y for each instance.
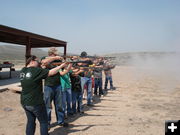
(52, 50)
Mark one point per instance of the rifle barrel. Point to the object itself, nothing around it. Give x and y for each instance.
(73, 62)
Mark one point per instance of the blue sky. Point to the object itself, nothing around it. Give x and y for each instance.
(99, 26)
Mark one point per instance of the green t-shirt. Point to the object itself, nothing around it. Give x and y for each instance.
(52, 80)
(65, 80)
(31, 82)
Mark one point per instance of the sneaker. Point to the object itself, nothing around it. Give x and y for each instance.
(112, 88)
(81, 112)
(90, 105)
(49, 127)
(64, 124)
(65, 116)
(101, 93)
(70, 114)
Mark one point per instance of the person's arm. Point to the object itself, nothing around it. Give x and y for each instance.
(77, 72)
(47, 60)
(65, 71)
(112, 66)
(83, 59)
(56, 69)
(100, 66)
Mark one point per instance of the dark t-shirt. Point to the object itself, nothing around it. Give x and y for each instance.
(76, 83)
(31, 82)
(81, 74)
(52, 80)
(86, 73)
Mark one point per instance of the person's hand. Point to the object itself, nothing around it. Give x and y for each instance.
(74, 57)
(64, 64)
(70, 64)
(81, 70)
(67, 63)
(59, 57)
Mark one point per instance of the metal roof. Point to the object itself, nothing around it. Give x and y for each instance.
(28, 39)
(16, 36)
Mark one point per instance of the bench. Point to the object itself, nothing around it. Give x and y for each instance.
(7, 66)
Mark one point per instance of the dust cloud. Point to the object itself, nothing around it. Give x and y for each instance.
(164, 68)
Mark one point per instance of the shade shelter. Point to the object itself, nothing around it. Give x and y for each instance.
(28, 39)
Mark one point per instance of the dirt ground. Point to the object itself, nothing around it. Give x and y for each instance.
(139, 106)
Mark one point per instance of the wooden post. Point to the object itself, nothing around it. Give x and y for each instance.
(65, 50)
(10, 72)
(28, 48)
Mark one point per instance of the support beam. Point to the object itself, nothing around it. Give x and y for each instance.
(28, 48)
(28, 39)
(65, 50)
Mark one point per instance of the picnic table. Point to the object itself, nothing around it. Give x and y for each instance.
(7, 66)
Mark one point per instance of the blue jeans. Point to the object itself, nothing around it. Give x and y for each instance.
(67, 100)
(108, 78)
(39, 112)
(54, 93)
(76, 98)
(88, 82)
(98, 84)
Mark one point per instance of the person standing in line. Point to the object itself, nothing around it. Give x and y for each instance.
(77, 94)
(66, 89)
(32, 94)
(108, 75)
(97, 73)
(52, 88)
(86, 79)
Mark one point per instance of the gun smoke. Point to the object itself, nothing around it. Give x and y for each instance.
(162, 67)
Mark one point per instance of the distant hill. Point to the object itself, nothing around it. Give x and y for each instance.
(16, 54)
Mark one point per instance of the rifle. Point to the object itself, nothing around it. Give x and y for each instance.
(109, 67)
(103, 57)
(88, 67)
(68, 56)
(73, 62)
(106, 57)
(63, 56)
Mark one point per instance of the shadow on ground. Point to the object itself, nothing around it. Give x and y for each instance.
(67, 130)
(5, 80)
